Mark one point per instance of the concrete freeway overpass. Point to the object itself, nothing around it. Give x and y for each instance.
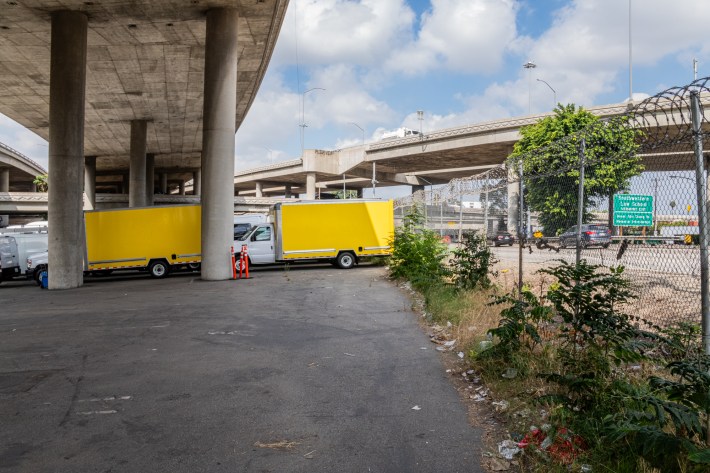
(434, 157)
(130, 89)
(17, 171)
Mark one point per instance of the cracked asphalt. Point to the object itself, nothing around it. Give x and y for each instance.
(311, 369)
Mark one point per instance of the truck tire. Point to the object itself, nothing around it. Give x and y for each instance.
(37, 275)
(345, 260)
(159, 269)
(193, 266)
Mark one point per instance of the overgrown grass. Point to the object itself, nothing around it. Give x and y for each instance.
(586, 384)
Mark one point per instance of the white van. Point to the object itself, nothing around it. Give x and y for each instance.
(14, 250)
(243, 223)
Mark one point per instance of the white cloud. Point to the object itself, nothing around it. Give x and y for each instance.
(332, 31)
(460, 35)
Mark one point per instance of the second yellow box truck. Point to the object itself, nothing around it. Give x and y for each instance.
(337, 231)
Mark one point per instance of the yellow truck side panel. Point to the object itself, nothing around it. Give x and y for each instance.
(322, 229)
(129, 238)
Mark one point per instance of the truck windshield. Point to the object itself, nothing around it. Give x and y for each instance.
(245, 236)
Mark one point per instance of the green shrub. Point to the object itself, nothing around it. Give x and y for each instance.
(472, 262)
(418, 254)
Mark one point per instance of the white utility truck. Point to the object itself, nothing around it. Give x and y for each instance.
(16, 247)
(337, 231)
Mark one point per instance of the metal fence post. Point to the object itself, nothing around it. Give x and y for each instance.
(485, 209)
(521, 218)
(460, 216)
(580, 204)
(701, 187)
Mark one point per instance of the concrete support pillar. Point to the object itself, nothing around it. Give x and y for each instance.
(67, 93)
(310, 186)
(137, 196)
(149, 179)
(513, 200)
(90, 181)
(181, 187)
(4, 179)
(417, 189)
(218, 129)
(287, 191)
(197, 182)
(259, 190)
(164, 182)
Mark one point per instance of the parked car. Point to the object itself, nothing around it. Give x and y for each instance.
(502, 238)
(592, 235)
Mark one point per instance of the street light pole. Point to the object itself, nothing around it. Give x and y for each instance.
(420, 117)
(631, 93)
(303, 115)
(655, 206)
(554, 93)
(529, 66)
(271, 152)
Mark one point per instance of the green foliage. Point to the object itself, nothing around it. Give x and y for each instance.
(472, 262)
(41, 182)
(418, 254)
(610, 151)
(347, 194)
(667, 424)
(626, 422)
(518, 327)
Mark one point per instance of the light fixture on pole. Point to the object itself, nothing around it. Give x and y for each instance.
(420, 117)
(303, 115)
(695, 69)
(529, 66)
(554, 93)
(361, 129)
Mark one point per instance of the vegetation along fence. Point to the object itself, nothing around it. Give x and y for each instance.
(629, 190)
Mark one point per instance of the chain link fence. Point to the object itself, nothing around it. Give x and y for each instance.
(629, 190)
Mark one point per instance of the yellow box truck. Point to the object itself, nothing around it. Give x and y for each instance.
(338, 231)
(153, 238)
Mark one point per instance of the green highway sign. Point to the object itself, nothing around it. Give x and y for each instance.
(633, 210)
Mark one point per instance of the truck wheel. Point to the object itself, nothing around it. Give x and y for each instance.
(37, 275)
(345, 260)
(158, 269)
(194, 266)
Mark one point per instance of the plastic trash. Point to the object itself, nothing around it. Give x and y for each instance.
(510, 373)
(508, 449)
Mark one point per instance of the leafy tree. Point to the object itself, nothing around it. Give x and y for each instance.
(41, 182)
(549, 150)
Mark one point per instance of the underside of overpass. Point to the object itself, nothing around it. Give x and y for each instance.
(136, 95)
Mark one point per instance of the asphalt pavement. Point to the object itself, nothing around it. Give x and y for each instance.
(295, 370)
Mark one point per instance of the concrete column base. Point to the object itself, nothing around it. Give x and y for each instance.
(310, 186)
(5, 180)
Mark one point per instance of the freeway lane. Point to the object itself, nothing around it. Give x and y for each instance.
(672, 259)
(665, 278)
(179, 375)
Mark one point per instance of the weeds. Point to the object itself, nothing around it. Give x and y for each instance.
(418, 254)
(604, 387)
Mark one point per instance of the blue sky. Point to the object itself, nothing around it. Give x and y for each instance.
(460, 61)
